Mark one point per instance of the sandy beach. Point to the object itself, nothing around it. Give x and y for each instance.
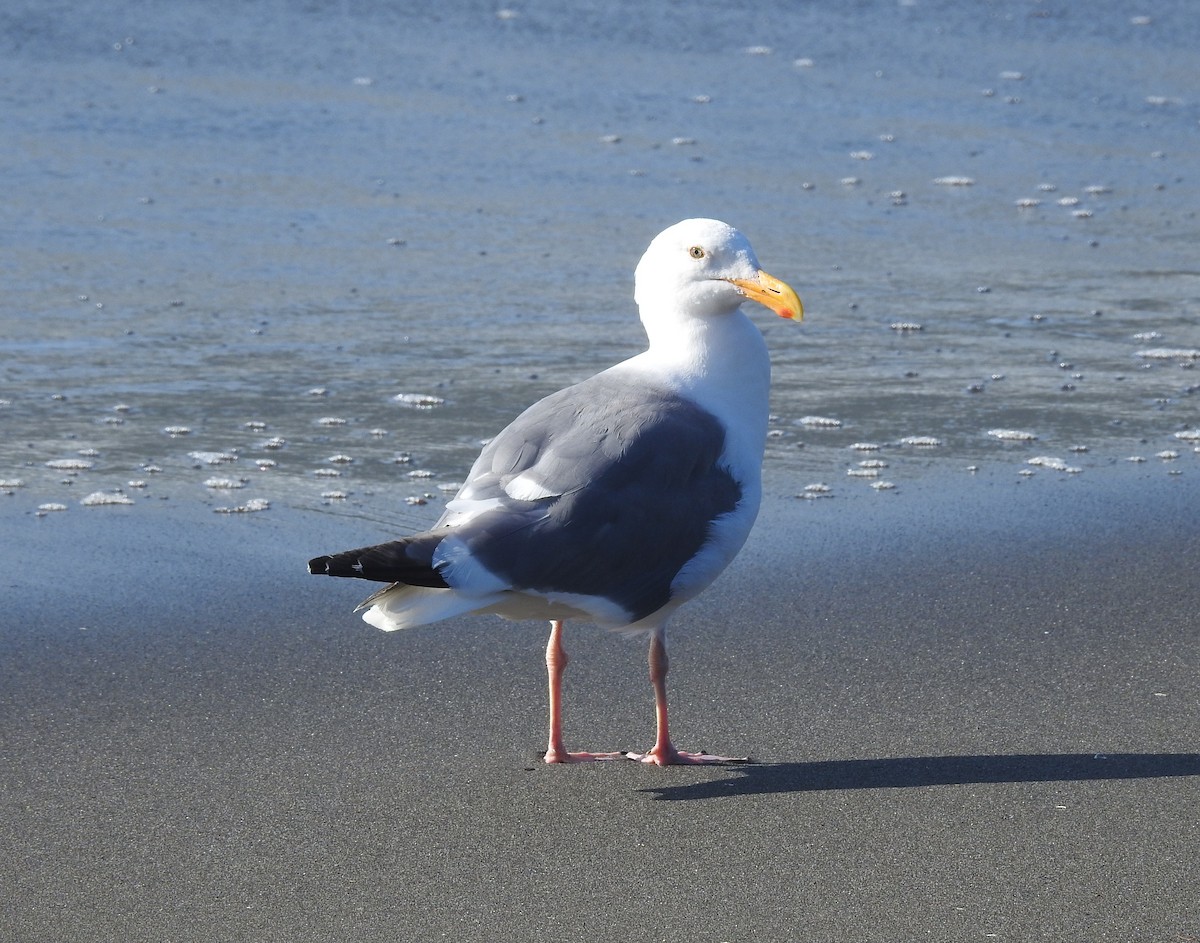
(972, 707)
(307, 257)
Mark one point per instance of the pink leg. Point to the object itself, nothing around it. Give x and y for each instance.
(556, 663)
(663, 753)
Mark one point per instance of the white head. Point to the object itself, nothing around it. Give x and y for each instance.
(703, 268)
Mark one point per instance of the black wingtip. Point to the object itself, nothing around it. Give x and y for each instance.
(393, 562)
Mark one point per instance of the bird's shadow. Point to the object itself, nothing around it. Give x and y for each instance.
(757, 779)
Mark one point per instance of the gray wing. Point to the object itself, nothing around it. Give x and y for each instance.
(603, 489)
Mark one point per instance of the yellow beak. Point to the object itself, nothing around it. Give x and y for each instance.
(770, 291)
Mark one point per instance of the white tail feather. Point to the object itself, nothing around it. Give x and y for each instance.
(405, 607)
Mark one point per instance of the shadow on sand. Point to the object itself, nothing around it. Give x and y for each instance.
(756, 779)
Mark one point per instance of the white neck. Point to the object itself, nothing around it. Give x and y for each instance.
(719, 362)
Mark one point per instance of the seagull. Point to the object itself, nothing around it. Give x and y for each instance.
(618, 499)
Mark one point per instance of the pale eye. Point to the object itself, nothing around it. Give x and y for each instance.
(696, 252)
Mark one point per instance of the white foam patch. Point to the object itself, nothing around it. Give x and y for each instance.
(213, 458)
(1055, 464)
(254, 504)
(103, 498)
(224, 484)
(819, 422)
(418, 400)
(1012, 435)
(1169, 353)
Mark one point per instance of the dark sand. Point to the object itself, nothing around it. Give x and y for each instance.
(973, 705)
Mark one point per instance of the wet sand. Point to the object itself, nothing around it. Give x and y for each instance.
(973, 699)
(972, 703)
